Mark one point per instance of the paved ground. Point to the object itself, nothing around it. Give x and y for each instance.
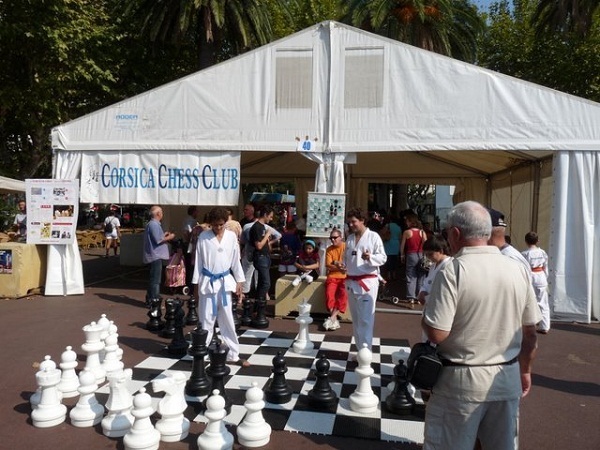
(561, 412)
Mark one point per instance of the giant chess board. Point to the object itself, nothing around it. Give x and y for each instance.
(259, 347)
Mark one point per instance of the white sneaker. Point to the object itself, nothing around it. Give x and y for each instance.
(335, 325)
(328, 324)
(308, 279)
(296, 281)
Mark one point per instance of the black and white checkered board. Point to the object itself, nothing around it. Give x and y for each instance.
(260, 346)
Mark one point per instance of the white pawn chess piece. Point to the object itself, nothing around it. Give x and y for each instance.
(118, 420)
(173, 426)
(363, 400)
(215, 435)
(87, 412)
(111, 363)
(69, 381)
(254, 431)
(303, 344)
(105, 324)
(93, 345)
(49, 411)
(36, 397)
(114, 330)
(142, 435)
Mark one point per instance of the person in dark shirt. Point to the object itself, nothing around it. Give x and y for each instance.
(259, 237)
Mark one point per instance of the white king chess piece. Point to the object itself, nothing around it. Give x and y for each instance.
(303, 344)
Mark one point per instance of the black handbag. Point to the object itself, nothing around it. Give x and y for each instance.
(424, 366)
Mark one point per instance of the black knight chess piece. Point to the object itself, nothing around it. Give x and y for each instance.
(169, 329)
(217, 370)
(192, 315)
(155, 314)
(260, 320)
(199, 383)
(321, 396)
(278, 390)
(178, 345)
(399, 401)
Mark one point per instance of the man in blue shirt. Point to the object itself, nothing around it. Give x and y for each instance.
(155, 251)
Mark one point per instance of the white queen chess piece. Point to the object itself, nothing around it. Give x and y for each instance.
(173, 426)
(363, 400)
(93, 345)
(303, 344)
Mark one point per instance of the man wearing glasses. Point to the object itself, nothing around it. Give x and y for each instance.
(335, 285)
(363, 256)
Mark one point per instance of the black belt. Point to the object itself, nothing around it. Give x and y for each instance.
(447, 362)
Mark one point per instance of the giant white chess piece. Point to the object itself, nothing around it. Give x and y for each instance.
(254, 431)
(50, 411)
(118, 421)
(93, 345)
(173, 426)
(111, 363)
(87, 412)
(303, 344)
(69, 381)
(142, 435)
(36, 397)
(363, 400)
(215, 436)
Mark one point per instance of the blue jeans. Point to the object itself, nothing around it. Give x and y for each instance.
(414, 279)
(153, 290)
(262, 264)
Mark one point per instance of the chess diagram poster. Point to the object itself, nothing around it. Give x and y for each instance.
(325, 212)
(52, 211)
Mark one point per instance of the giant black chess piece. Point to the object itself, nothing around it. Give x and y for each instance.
(278, 390)
(198, 384)
(321, 396)
(399, 401)
(155, 314)
(178, 345)
(260, 320)
(218, 370)
(169, 329)
(192, 315)
(246, 319)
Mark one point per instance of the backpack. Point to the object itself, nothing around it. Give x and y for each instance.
(108, 227)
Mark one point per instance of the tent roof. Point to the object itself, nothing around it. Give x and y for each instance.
(347, 90)
(10, 185)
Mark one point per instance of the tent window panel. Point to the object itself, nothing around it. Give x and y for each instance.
(363, 78)
(294, 82)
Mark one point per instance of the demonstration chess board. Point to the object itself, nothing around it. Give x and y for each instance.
(259, 347)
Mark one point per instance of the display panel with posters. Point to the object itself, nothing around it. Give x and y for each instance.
(325, 212)
(52, 211)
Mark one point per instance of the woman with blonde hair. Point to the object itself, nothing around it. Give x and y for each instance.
(411, 251)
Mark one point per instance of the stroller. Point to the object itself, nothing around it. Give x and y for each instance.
(384, 293)
(175, 274)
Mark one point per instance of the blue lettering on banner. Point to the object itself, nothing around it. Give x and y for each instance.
(170, 177)
(126, 117)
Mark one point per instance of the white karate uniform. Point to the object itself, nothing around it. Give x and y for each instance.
(538, 261)
(222, 260)
(362, 294)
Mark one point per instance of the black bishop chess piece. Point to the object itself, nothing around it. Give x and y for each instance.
(178, 345)
(169, 329)
(399, 401)
(246, 319)
(199, 383)
(217, 370)
(321, 396)
(278, 391)
(192, 315)
(155, 322)
(260, 320)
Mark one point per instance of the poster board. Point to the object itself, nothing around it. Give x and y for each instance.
(52, 210)
(325, 212)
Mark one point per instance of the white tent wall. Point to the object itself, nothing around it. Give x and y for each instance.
(10, 185)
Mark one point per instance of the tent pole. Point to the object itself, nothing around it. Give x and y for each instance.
(537, 168)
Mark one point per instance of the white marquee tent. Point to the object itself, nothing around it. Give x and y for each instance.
(369, 109)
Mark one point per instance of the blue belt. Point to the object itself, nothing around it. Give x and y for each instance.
(213, 277)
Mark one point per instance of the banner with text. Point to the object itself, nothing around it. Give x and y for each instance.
(52, 210)
(173, 178)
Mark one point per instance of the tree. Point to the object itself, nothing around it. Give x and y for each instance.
(448, 27)
(565, 16)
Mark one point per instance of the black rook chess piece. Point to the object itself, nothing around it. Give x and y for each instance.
(169, 330)
(155, 313)
(278, 390)
(218, 370)
(321, 396)
(192, 315)
(198, 384)
(399, 401)
(178, 345)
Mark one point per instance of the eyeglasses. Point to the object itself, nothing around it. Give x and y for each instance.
(333, 238)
